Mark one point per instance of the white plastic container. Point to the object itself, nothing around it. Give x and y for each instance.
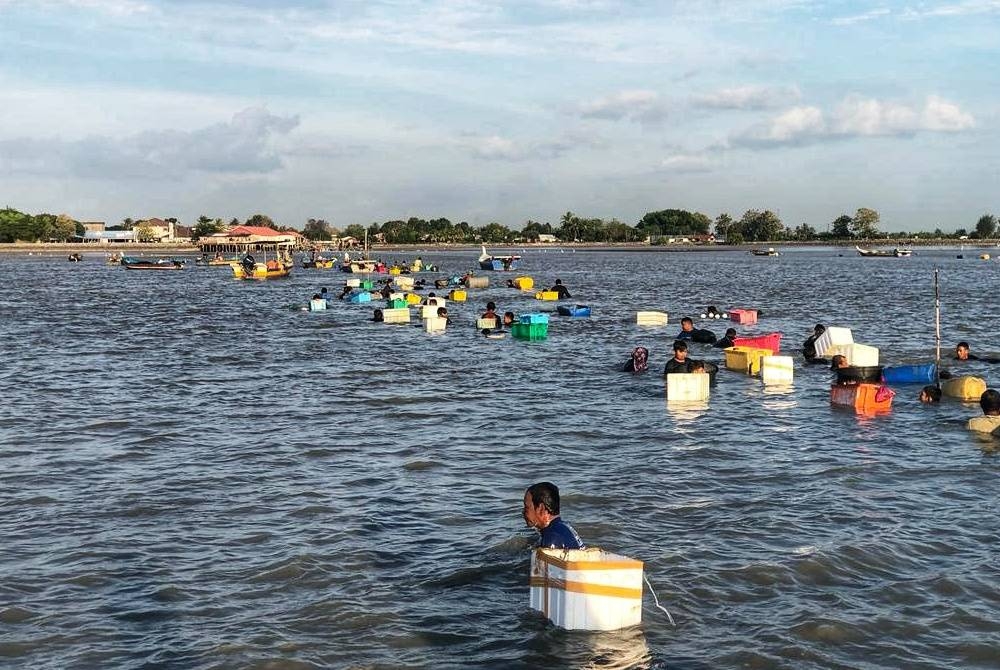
(397, 296)
(651, 318)
(486, 323)
(428, 311)
(317, 304)
(857, 354)
(398, 315)
(437, 301)
(832, 337)
(353, 283)
(688, 387)
(435, 324)
(586, 589)
(404, 282)
(776, 370)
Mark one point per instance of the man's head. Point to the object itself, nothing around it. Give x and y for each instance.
(491, 306)
(990, 402)
(838, 361)
(559, 282)
(687, 325)
(819, 329)
(730, 333)
(680, 350)
(962, 351)
(697, 366)
(930, 393)
(508, 318)
(541, 504)
(443, 312)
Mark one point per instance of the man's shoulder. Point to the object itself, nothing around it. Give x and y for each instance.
(984, 424)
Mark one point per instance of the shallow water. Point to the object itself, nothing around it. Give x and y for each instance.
(193, 475)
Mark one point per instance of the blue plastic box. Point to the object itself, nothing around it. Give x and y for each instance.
(529, 319)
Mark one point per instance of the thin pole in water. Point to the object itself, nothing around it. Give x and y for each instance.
(937, 329)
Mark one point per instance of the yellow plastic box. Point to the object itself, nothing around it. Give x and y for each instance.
(745, 359)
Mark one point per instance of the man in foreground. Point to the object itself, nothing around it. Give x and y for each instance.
(541, 512)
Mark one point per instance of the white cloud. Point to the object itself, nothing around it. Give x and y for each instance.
(241, 146)
(686, 163)
(639, 105)
(861, 18)
(748, 97)
(966, 8)
(496, 147)
(856, 117)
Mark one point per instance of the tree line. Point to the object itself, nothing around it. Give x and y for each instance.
(657, 227)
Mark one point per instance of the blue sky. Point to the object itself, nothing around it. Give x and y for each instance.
(484, 111)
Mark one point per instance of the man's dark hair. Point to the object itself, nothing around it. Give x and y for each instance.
(730, 332)
(962, 345)
(933, 392)
(990, 402)
(558, 281)
(680, 345)
(688, 319)
(547, 494)
(819, 328)
(491, 305)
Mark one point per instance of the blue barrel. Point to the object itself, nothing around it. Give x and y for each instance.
(910, 374)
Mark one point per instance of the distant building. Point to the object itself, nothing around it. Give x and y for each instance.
(244, 239)
(94, 226)
(107, 237)
(546, 238)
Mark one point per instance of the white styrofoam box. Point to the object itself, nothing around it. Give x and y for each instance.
(486, 323)
(435, 324)
(833, 336)
(776, 370)
(586, 589)
(397, 296)
(317, 304)
(651, 318)
(860, 355)
(403, 282)
(353, 283)
(437, 301)
(687, 386)
(428, 311)
(398, 315)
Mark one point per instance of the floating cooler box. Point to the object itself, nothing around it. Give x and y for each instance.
(317, 304)
(396, 315)
(477, 282)
(688, 386)
(776, 370)
(966, 387)
(910, 374)
(524, 283)
(745, 359)
(353, 283)
(745, 317)
(404, 282)
(863, 398)
(436, 301)
(458, 295)
(486, 323)
(435, 324)
(858, 355)
(547, 295)
(397, 295)
(363, 296)
(428, 311)
(413, 299)
(651, 318)
(771, 342)
(397, 303)
(586, 589)
(833, 336)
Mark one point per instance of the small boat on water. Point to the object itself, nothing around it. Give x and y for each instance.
(498, 263)
(133, 263)
(882, 253)
(248, 268)
(319, 263)
(770, 251)
(75, 258)
(360, 266)
(218, 261)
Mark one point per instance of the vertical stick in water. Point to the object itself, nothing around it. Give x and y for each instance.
(937, 330)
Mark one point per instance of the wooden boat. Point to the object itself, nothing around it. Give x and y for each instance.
(770, 251)
(132, 263)
(498, 263)
(272, 269)
(882, 253)
(319, 263)
(75, 258)
(360, 266)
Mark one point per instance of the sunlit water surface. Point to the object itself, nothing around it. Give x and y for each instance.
(193, 475)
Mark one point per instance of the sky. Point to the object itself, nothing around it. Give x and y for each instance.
(360, 112)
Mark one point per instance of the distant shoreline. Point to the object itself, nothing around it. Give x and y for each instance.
(64, 247)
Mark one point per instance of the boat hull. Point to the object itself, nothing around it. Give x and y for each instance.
(260, 271)
(500, 263)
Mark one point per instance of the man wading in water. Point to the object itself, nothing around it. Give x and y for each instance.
(541, 512)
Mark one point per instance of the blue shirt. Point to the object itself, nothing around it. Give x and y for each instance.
(684, 335)
(559, 535)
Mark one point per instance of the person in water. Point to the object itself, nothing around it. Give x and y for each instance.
(989, 401)
(930, 394)
(378, 315)
(491, 312)
(679, 363)
(838, 361)
(346, 292)
(541, 512)
(689, 332)
(698, 367)
(508, 319)
(963, 353)
(443, 314)
(727, 340)
(561, 290)
(809, 346)
(638, 362)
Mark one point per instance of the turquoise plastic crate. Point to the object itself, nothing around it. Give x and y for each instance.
(533, 318)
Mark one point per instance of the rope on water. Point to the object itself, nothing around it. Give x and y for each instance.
(657, 601)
